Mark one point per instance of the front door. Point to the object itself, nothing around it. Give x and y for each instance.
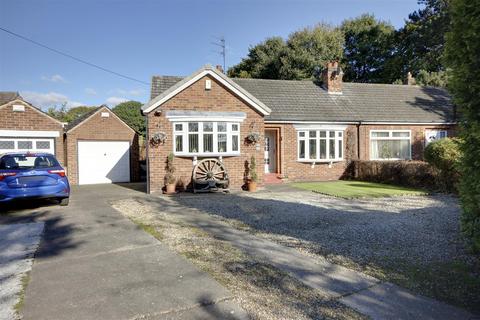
(270, 149)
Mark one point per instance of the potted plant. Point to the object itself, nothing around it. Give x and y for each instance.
(252, 181)
(170, 180)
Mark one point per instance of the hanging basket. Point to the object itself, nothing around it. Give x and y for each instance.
(253, 137)
(158, 138)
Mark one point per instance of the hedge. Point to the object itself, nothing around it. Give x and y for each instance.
(415, 174)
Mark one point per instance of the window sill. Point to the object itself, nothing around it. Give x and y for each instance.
(320, 161)
(206, 155)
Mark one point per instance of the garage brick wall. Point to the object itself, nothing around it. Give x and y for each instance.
(101, 129)
(195, 97)
(32, 120)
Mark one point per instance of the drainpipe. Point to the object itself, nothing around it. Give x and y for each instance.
(358, 139)
(146, 154)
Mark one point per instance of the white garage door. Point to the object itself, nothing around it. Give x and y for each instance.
(103, 162)
(27, 144)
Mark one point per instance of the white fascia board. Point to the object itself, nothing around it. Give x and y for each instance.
(407, 123)
(200, 75)
(29, 134)
(310, 122)
(337, 127)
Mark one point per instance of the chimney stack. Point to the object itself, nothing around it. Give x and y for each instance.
(332, 78)
(410, 79)
(219, 68)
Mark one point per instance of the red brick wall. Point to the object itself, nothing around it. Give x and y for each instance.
(98, 128)
(417, 137)
(32, 120)
(195, 97)
(298, 171)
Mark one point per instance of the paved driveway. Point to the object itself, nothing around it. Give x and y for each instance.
(95, 264)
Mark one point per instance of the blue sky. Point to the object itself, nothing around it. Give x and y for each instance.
(143, 38)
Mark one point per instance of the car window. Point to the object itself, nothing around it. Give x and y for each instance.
(19, 162)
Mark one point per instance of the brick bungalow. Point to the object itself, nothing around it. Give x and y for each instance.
(309, 131)
(95, 148)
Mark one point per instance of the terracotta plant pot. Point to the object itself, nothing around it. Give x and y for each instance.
(252, 186)
(170, 188)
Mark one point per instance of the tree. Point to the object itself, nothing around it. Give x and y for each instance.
(63, 114)
(309, 50)
(462, 55)
(263, 61)
(420, 43)
(433, 79)
(302, 56)
(130, 112)
(368, 45)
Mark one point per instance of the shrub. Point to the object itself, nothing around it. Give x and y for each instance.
(253, 169)
(444, 154)
(170, 170)
(416, 174)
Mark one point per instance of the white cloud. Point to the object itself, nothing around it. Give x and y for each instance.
(132, 92)
(54, 78)
(47, 100)
(90, 91)
(113, 101)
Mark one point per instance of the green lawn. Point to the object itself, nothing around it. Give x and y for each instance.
(357, 189)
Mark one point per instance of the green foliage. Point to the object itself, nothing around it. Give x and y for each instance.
(63, 114)
(421, 41)
(433, 79)
(131, 113)
(253, 169)
(170, 170)
(301, 56)
(309, 50)
(462, 55)
(368, 44)
(263, 61)
(444, 154)
(370, 50)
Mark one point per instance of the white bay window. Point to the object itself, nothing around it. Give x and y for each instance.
(320, 145)
(206, 138)
(390, 145)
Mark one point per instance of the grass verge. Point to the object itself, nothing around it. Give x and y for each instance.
(21, 295)
(357, 189)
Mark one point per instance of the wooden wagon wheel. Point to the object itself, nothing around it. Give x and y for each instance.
(210, 173)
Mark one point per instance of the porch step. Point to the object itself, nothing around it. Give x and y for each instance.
(271, 178)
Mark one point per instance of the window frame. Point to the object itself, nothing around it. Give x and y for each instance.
(184, 133)
(339, 135)
(391, 138)
(439, 131)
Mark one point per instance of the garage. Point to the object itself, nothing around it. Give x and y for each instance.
(101, 148)
(103, 162)
(23, 127)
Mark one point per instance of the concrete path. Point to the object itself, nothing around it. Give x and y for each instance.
(18, 243)
(95, 264)
(354, 289)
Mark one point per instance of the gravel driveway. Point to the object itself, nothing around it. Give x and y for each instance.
(413, 241)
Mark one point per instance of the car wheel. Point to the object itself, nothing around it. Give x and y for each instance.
(64, 201)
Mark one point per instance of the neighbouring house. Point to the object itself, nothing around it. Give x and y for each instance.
(96, 148)
(24, 127)
(309, 130)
